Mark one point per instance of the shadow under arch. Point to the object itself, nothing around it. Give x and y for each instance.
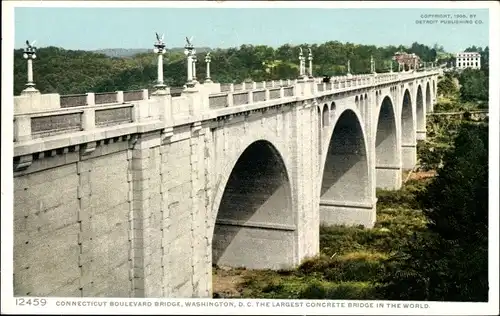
(428, 101)
(420, 113)
(345, 185)
(387, 159)
(408, 133)
(255, 225)
(326, 116)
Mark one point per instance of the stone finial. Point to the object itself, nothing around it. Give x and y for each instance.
(29, 54)
(159, 49)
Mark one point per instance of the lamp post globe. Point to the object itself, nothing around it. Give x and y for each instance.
(25, 56)
(33, 56)
(156, 50)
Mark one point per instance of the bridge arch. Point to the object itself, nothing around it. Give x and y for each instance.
(320, 119)
(344, 174)
(387, 153)
(326, 116)
(254, 213)
(428, 99)
(408, 133)
(434, 91)
(420, 113)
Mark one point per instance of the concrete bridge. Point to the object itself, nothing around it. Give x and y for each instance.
(132, 194)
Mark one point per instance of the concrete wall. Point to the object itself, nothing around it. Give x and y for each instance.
(71, 224)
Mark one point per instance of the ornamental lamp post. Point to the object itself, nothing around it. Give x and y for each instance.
(195, 59)
(188, 51)
(310, 64)
(372, 65)
(29, 54)
(349, 68)
(159, 49)
(301, 64)
(207, 61)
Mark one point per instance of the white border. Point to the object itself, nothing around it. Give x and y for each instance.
(434, 308)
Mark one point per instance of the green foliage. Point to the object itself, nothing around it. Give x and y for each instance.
(431, 154)
(404, 198)
(447, 86)
(474, 85)
(450, 261)
(458, 199)
(73, 72)
(344, 290)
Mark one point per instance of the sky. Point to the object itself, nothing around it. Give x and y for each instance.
(99, 28)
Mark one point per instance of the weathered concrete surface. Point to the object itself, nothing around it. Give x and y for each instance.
(144, 209)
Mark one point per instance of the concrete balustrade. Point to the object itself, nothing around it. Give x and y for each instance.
(32, 125)
(68, 113)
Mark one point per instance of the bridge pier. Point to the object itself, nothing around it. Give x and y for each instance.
(421, 134)
(388, 177)
(347, 213)
(408, 156)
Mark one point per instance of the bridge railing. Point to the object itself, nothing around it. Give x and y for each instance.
(46, 117)
(90, 98)
(254, 85)
(34, 125)
(223, 99)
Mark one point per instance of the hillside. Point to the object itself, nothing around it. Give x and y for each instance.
(130, 52)
(57, 70)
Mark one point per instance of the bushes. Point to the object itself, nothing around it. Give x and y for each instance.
(474, 85)
(345, 290)
(447, 86)
(404, 198)
(450, 261)
(344, 268)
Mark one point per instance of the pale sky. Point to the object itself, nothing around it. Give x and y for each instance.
(97, 28)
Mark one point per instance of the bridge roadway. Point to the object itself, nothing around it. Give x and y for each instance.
(137, 194)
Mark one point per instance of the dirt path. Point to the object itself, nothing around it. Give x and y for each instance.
(422, 175)
(227, 282)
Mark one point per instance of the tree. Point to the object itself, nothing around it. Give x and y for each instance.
(450, 262)
(71, 72)
(447, 87)
(474, 85)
